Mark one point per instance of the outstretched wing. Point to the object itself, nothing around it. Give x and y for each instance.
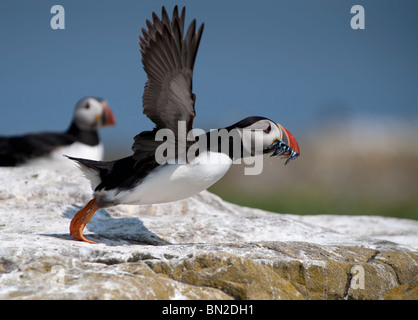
(168, 56)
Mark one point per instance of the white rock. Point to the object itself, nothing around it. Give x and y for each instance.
(36, 207)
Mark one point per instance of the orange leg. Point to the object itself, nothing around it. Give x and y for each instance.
(81, 219)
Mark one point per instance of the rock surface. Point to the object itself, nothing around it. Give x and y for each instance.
(198, 248)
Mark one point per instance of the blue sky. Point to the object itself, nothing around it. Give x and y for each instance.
(292, 61)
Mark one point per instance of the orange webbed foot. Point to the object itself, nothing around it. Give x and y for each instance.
(81, 219)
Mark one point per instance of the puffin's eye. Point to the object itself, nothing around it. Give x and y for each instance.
(268, 129)
(87, 106)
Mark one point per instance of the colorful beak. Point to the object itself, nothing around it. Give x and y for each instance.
(292, 141)
(108, 119)
(287, 147)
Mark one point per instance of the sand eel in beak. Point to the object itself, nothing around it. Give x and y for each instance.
(168, 56)
(46, 149)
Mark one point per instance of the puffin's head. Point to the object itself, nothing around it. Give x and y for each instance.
(92, 113)
(274, 137)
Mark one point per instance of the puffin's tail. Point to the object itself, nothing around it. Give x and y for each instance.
(93, 170)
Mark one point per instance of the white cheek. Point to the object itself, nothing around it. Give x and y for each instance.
(87, 115)
(276, 133)
(87, 118)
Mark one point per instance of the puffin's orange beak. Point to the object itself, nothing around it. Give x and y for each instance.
(287, 146)
(108, 119)
(293, 144)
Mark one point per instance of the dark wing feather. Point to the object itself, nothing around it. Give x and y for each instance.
(168, 60)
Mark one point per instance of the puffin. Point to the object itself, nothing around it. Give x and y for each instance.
(46, 149)
(173, 161)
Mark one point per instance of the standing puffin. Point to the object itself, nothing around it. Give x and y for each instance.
(46, 149)
(168, 56)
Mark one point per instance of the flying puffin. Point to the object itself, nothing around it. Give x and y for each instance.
(168, 56)
(46, 149)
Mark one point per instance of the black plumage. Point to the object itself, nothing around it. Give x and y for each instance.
(16, 150)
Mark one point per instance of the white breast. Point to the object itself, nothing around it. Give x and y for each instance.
(56, 159)
(173, 182)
